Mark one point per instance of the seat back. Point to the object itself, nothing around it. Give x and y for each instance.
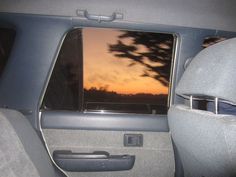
(21, 150)
(206, 140)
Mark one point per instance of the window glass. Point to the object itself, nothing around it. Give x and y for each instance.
(7, 37)
(63, 89)
(119, 71)
(208, 41)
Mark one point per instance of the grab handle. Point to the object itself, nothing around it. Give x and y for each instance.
(99, 18)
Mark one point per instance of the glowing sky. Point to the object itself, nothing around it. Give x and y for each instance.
(103, 69)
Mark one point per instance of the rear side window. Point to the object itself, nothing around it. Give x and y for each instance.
(7, 37)
(109, 70)
(211, 40)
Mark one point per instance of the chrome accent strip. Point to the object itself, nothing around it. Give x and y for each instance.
(173, 69)
(191, 102)
(216, 105)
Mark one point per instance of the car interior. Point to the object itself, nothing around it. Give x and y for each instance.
(117, 88)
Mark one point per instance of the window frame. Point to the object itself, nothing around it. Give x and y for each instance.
(81, 92)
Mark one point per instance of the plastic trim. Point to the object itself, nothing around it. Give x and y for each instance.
(99, 121)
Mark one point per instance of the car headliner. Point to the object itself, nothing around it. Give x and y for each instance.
(206, 14)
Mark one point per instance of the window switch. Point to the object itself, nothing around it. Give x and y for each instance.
(133, 140)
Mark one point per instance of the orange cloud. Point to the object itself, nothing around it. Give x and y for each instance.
(102, 68)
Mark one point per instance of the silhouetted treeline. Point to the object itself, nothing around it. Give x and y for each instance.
(101, 95)
(101, 99)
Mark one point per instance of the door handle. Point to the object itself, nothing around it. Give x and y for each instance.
(92, 162)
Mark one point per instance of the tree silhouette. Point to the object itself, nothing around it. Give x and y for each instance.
(156, 58)
(145, 103)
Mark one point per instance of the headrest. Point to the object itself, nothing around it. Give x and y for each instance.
(212, 73)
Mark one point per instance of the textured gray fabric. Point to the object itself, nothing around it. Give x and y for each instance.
(212, 73)
(154, 159)
(206, 142)
(32, 150)
(14, 160)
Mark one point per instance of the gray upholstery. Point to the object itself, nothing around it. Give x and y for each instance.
(206, 142)
(21, 151)
(14, 160)
(212, 73)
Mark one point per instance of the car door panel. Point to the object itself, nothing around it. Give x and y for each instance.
(91, 132)
(155, 158)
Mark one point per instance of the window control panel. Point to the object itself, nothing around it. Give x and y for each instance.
(133, 140)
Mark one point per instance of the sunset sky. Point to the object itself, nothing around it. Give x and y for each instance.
(103, 69)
